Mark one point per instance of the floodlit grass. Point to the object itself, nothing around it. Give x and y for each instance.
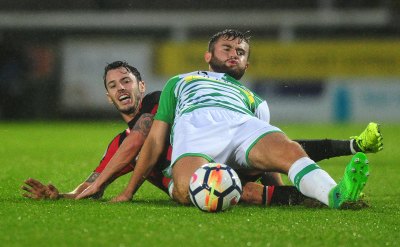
(66, 153)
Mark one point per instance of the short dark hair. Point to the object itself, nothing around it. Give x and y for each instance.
(121, 64)
(229, 34)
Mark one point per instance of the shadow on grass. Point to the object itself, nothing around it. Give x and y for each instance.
(167, 203)
(104, 201)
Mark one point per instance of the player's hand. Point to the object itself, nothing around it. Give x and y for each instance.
(36, 190)
(123, 197)
(91, 191)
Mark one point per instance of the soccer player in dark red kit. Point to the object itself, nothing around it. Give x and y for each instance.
(125, 89)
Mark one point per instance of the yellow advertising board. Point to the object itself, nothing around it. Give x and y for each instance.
(297, 60)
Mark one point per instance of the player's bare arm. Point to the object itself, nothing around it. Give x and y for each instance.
(143, 125)
(149, 155)
(127, 152)
(81, 187)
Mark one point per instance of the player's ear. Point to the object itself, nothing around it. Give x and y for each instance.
(109, 98)
(207, 56)
(142, 87)
(247, 65)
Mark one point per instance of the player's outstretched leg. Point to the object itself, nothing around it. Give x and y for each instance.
(348, 190)
(370, 140)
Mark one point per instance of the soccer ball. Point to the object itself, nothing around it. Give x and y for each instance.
(214, 187)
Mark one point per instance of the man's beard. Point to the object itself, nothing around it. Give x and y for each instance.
(218, 66)
(130, 109)
(127, 111)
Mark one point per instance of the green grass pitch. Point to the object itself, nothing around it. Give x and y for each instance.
(66, 153)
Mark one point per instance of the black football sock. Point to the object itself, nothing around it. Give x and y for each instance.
(325, 148)
(355, 146)
(282, 195)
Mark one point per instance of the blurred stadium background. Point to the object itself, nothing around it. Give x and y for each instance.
(313, 60)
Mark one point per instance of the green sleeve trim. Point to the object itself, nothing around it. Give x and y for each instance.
(167, 104)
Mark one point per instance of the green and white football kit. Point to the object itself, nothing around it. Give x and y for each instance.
(213, 116)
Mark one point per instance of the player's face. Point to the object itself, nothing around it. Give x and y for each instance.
(229, 56)
(124, 91)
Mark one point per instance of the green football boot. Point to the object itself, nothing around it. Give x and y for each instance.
(370, 140)
(348, 190)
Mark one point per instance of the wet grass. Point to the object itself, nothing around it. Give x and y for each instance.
(66, 153)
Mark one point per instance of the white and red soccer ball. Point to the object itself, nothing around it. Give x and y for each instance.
(215, 187)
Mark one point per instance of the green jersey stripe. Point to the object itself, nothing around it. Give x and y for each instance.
(187, 92)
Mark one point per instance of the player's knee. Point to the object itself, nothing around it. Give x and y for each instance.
(294, 150)
(181, 194)
(290, 153)
(276, 153)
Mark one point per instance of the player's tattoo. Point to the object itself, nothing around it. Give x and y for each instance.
(92, 177)
(144, 123)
